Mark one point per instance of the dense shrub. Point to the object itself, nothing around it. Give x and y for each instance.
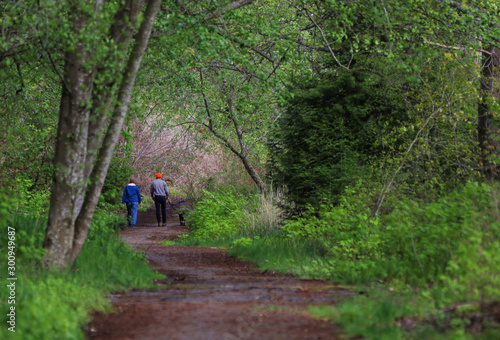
(454, 242)
(225, 214)
(329, 131)
(441, 259)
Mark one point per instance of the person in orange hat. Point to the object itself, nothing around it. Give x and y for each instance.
(160, 194)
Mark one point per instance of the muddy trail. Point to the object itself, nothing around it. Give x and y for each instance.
(208, 295)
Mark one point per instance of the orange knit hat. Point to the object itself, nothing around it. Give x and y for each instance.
(158, 175)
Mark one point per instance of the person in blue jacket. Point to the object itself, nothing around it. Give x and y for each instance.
(132, 197)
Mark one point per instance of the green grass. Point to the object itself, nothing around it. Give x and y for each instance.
(278, 254)
(57, 304)
(272, 252)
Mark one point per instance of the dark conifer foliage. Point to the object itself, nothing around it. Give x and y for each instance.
(328, 135)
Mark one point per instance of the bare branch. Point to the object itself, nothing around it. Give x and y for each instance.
(458, 47)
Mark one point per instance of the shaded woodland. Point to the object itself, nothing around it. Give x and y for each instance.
(351, 141)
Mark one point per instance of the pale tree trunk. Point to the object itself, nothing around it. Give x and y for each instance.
(242, 152)
(76, 149)
(488, 124)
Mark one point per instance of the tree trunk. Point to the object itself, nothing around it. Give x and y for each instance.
(253, 174)
(69, 221)
(106, 153)
(241, 152)
(488, 125)
(68, 183)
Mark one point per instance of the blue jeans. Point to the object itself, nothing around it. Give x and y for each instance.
(132, 213)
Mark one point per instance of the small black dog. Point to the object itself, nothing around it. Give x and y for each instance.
(181, 218)
(181, 208)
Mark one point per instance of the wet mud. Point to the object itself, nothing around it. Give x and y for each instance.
(208, 295)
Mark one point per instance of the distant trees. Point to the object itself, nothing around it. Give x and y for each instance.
(419, 95)
(227, 78)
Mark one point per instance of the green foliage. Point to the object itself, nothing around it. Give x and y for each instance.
(387, 100)
(347, 233)
(242, 242)
(147, 201)
(217, 215)
(54, 307)
(105, 223)
(118, 176)
(454, 241)
(167, 243)
(32, 198)
(448, 250)
(229, 213)
(30, 232)
(379, 314)
(119, 266)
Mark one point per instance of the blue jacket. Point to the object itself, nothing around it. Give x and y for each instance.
(131, 194)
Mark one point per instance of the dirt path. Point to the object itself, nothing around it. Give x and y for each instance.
(210, 296)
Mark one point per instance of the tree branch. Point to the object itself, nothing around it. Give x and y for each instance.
(207, 107)
(458, 47)
(324, 39)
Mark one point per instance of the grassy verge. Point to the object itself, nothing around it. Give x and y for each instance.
(57, 304)
(272, 252)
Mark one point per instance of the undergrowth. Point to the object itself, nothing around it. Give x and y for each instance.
(428, 270)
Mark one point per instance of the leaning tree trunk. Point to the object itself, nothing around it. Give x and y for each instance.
(106, 153)
(68, 188)
(242, 150)
(73, 199)
(488, 124)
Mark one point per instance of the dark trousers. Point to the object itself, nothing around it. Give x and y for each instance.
(161, 208)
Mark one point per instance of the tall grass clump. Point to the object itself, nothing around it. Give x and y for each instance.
(57, 304)
(228, 214)
(265, 216)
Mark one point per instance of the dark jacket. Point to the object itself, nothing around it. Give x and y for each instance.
(131, 194)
